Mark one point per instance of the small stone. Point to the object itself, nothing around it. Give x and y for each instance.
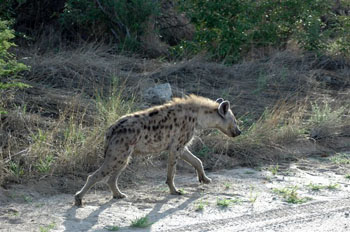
(158, 94)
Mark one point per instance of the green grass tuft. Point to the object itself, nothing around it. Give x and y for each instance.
(318, 187)
(182, 191)
(332, 186)
(200, 205)
(224, 203)
(142, 222)
(290, 195)
(315, 187)
(274, 169)
(112, 228)
(252, 197)
(227, 185)
(340, 158)
(47, 228)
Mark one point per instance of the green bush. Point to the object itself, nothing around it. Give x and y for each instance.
(6, 9)
(340, 44)
(82, 16)
(228, 29)
(124, 19)
(9, 67)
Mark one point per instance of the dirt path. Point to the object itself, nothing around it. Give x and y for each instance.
(254, 199)
(317, 216)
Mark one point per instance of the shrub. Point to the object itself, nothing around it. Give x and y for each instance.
(9, 67)
(340, 44)
(31, 17)
(228, 29)
(89, 20)
(9, 70)
(125, 19)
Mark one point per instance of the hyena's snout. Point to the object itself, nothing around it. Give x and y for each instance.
(238, 131)
(235, 132)
(234, 129)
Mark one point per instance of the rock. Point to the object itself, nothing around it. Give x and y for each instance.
(158, 94)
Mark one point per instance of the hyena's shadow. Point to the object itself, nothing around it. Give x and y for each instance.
(155, 215)
(72, 223)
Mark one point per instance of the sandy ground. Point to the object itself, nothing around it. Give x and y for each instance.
(254, 204)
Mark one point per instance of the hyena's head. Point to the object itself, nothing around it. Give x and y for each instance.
(226, 120)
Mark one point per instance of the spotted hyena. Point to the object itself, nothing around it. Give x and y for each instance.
(166, 127)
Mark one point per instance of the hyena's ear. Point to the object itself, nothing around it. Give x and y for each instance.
(223, 108)
(219, 100)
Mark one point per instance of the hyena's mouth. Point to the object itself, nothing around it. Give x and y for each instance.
(238, 132)
(235, 133)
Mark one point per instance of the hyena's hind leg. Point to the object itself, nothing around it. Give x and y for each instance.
(92, 179)
(113, 179)
(197, 164)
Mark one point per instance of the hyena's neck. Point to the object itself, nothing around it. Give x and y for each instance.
(205, 110)
(207, 118)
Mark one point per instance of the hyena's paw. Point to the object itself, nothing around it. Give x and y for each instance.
(78, 201)
(176, 192)
(120, 196)
(205, 180)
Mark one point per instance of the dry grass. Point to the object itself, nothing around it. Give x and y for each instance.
(84, 69)
(269, 138)
(253, 85)
(71, 143)
(58, 125)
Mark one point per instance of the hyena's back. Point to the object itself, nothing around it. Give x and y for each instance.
(153, 130)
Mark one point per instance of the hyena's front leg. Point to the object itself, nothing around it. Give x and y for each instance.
(172, 160)
(197, 164)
